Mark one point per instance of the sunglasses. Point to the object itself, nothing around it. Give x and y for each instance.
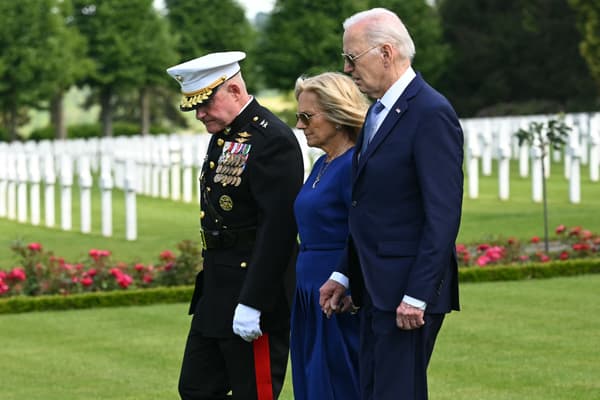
(351, 59)
(305, 117)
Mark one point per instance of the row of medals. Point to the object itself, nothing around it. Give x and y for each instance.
(231, 164)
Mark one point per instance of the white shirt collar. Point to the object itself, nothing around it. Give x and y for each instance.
(396, 90)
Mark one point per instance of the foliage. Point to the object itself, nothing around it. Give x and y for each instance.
(572, 243)
(541, 136)
(39, 48)
(205, 26)
(40, 272)
(425, 27)
(303, 38)
(506, 51)
(134, 297)
(588, 13)
(122, 38)
(77, 131)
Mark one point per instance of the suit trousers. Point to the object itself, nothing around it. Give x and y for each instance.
(212, 367)
(393, 362)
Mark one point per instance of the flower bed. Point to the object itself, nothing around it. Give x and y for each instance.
(571, 243)
(40, 272)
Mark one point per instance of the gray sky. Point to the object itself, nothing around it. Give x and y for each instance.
(252, 7)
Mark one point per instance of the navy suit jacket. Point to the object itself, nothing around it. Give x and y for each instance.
(406, 205)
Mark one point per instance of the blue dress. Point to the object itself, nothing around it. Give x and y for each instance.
(324, 352)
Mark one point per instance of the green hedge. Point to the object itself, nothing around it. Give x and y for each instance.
(530, 271)
(183, 294)
(139, 297)
(120, 128)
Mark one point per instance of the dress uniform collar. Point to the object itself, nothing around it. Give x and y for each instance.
(252, 110)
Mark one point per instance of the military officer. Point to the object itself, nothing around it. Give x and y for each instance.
(238, 342)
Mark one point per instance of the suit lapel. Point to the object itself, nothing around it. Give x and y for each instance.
(386, 127)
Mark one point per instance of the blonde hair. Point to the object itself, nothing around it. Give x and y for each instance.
(338, 98)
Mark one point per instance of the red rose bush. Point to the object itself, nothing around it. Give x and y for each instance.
(571, 243)
(40, 272)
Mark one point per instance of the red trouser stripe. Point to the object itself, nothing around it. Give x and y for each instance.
(262, 368)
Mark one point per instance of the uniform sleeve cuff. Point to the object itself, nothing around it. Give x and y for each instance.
(340, 278)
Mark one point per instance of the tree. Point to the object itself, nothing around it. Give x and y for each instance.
(69, 63)
(159, 52)
(35, 42)
(553, 133)
(117, 32)
(303, 37)
(206, 26)
(588, 13)
(508, 51)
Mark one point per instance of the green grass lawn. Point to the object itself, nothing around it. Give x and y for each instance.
(534, 340)
(164, 223)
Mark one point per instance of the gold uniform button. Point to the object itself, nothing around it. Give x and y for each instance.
(220, 142)
(208, 189)
(211, 165)
(255, 119)
(243, 264)
(202, 214)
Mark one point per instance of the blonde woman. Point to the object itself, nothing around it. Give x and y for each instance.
(324, 352)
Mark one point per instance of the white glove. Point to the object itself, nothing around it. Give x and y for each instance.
(246, 322)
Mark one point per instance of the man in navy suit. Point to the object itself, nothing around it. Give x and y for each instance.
(400, 263)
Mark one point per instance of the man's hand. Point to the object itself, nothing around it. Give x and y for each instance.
(330, 297)
(348, 305)
(246, 322)
(409, 317)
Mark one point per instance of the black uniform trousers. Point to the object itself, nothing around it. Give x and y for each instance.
(212, 367)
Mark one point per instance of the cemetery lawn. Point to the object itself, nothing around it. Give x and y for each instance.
(163, 223)
(532, 340)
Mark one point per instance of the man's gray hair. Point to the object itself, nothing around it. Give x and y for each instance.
(384, 26)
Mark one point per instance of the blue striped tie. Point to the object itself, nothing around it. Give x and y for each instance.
(369, 130)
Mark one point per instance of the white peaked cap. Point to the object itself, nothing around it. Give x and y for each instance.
(200, 76)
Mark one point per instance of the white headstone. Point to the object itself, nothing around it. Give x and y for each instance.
(66, 183)
(130, 201)
(106, 185)
(574, 151)
(34, 180)
(594, 143)
(49, 188)
(11, 189)
(3, 179)
(536, 173)
(175, 165)
(474, 153)
(85, 188)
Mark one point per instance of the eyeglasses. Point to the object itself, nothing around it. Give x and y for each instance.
(351, 60)
(305, 117)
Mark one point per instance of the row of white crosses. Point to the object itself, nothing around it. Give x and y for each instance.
(167, 167)
(163, 166)
(492, 139)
